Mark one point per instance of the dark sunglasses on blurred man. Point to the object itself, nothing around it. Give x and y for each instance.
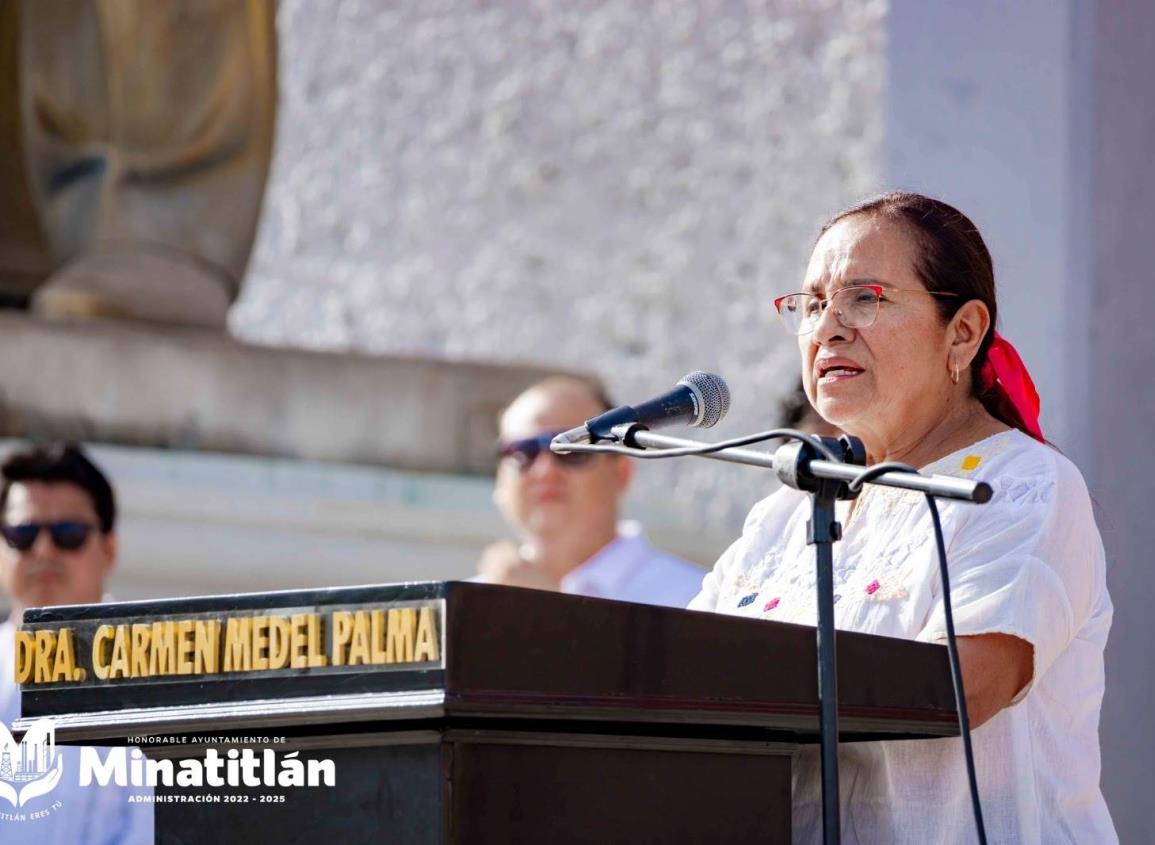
(524, 451)
(67, 535)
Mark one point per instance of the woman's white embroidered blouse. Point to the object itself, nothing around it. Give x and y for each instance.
(1030, 564)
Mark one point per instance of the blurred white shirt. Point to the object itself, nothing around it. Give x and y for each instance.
(1029, 564)
(88, 815)
(630, 569)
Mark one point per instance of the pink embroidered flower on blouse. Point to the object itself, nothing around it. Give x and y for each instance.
(770, 605)
(872, 587)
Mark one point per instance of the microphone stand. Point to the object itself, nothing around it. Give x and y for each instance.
(798, 465)
(822, 531)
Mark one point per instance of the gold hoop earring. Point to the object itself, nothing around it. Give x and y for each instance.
(954, 375)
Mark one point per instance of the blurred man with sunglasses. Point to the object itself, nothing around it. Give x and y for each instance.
(565, 509)
(57, 512)
(57, 518)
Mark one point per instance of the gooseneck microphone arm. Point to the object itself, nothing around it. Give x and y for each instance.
(822, 464)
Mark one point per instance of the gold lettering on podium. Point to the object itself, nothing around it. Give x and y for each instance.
(267, 642)
(64, 666)
(400, 633)
(162, 652)
(100, 642)
(46, 656)
(238, 645)
(316, 646)
(299, 641)
(118, 664)
(342, 631)
(279, 637)
(141, 646)
(359, 653)
(428, 642)
(185, 644)
(260, 643)
(377, 636)
(25, 656)
(206, 647)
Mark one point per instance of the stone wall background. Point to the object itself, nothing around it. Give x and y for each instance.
(606, 185)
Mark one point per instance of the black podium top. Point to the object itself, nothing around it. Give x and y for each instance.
(326, 660)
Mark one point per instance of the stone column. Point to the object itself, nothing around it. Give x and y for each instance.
(1036, 119)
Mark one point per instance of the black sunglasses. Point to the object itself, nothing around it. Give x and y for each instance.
(524, 451)
(67, 535)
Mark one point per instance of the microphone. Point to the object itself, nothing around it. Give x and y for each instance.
(699, 400)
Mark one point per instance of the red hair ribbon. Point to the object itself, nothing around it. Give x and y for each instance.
(1006, 374)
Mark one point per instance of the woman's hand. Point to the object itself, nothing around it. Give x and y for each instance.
(995, 667)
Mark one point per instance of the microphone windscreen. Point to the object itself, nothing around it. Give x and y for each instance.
(713, 397)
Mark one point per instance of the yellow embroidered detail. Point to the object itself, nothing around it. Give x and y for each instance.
(971, 462)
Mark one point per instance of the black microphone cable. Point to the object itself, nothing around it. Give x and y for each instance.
(964, 722)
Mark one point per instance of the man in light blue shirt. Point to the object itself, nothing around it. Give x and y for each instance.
(57, 517)
(565, 509)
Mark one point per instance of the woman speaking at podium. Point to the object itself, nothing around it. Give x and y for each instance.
(895, 326)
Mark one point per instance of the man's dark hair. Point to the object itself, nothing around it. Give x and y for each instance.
(60, 463)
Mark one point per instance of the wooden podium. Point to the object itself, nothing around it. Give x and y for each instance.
(520, 717)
